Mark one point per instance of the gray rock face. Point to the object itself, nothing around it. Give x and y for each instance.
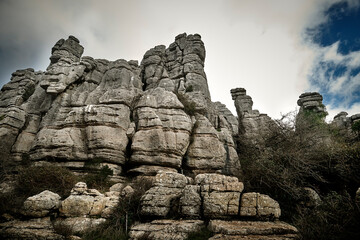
(83, 110)
(178, 68)
(41, 204)
(163, 130)
(206, 150)
(159, 199)
(252, 230)
(311, 101)
(252, 125)
(259, 205)
(165, 229)
(221, 194)
(33, 229)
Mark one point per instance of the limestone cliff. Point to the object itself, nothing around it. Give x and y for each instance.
(155, 120)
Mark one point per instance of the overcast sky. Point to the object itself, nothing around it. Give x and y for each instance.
(276, 49)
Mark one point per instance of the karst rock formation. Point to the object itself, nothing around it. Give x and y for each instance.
(153, 119)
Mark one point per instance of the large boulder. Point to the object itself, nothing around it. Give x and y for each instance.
(220, 194)
(41, 204)
(252, 230)
(162, 198)
(165, 229)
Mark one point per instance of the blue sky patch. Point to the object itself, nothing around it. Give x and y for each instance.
(335, 74)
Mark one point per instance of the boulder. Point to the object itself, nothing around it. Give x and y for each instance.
(220, 194)
(259, 205)
(165, 229)
(252, 230)
(41, 204)
(33, 229)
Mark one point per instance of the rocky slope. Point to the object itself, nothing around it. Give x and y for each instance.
(155, 119)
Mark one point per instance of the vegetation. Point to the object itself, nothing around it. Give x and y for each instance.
(356, 128)
(32, 180)
(125, 214)
(303, 152)
(204, 233)
(98, 174)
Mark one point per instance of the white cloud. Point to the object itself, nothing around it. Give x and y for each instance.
(258, 45)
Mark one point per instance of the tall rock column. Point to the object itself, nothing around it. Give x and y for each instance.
(253, 125)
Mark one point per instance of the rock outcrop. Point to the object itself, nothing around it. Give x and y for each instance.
(153, 121)
(119, 114)
(253, 125)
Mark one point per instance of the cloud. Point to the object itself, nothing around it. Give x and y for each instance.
(258, 45)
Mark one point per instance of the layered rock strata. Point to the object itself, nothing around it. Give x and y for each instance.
(117, 114)
(253, 125)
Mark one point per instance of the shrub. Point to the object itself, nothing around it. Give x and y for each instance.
(356, 128)
(32, 180)
(337, 217)
(125, 214)
(204, 233)
(292, 159)
(35, 179)
(97, 176)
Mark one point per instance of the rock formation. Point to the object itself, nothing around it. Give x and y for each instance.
(154, 121)
(252, 125)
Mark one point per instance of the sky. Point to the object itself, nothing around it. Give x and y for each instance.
(276, 49)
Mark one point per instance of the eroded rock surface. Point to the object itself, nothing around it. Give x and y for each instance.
(253, 125)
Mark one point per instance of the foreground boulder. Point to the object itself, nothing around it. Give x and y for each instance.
(165, 229)
(252, 230)
(41, 204)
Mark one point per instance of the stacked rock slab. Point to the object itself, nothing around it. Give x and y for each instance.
(162, 132)
(46, 216)
(178, 68)
(252, 125)
(210, 196)
(83, 110)
(345, 123)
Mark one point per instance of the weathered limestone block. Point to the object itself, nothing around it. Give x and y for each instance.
(217, 182)
(273, 230)
(60, 75)
(165, 229)
(259, 205)
(166, 191)
(206, 151)
(79, 225)
(228, 116)
(190, 202)
(163, 130)
(311, 101)
(220, 194)
(19, 89)
(83, 202)
(252, 125)
(221, 204)
(148, 170)
(67, 50)
(33, 229)
(41, 204)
